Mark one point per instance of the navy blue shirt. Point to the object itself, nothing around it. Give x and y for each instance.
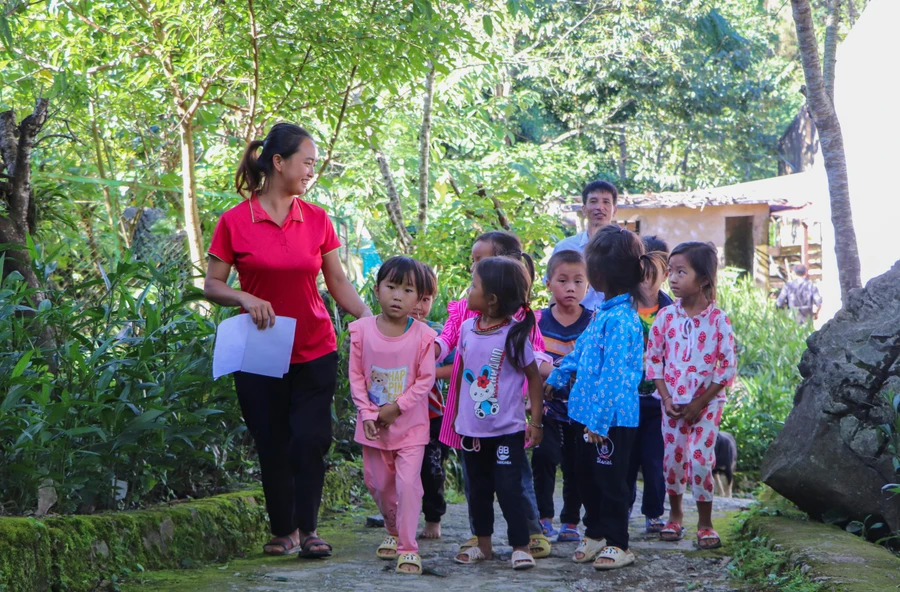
(560, 340)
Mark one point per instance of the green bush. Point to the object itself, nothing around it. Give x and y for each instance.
(123, 393)
(770, 344)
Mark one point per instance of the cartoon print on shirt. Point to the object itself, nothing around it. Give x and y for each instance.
(483, 388)
(387, 384)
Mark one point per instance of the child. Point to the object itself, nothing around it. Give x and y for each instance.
(691, 359)
(491, 244)
(496, 357)
(647, 454)
(391, 373)
(433, 477)
(608, 358)
(561, 324)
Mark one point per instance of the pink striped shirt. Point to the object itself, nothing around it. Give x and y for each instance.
(458, 312)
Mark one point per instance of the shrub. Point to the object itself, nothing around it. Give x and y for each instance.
(770, 344)
(124, 394)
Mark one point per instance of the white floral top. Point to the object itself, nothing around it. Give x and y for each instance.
(691, 353)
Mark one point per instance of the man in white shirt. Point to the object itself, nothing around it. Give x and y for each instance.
(598, 201)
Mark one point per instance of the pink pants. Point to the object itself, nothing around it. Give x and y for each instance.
(690, 452)
(394, 478)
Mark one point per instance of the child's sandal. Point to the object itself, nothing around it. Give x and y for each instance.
(654, 525)
(409, 559)
(708, 534)
(619, 559)
(539, 546)
(387, 549)
(672, 532)
(522, 560)
(472, 555)
(472, 542)
(568, 533)
(589, 548)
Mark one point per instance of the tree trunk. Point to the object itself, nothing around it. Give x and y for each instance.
(832, 142)
(623, 156)
(16, 143)
(189, 195)
(393, 207)
(425, 152)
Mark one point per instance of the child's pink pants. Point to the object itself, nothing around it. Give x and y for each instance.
(394, 478)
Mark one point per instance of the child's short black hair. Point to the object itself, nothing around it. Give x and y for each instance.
(616, 255)
(430, 281)
(654, 243)
(403, 269)
(704, 260)
(560, 257)
(601, 186)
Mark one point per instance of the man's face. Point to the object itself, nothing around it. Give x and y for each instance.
(599, 209)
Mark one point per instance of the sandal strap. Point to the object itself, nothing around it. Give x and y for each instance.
(611, 552)
(473, 553)
(389, 541)
(313, 541)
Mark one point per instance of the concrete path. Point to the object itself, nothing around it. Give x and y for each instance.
(660, 566)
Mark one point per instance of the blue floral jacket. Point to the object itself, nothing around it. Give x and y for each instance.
(608, 359)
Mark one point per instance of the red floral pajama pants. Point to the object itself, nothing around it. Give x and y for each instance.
(690, 452)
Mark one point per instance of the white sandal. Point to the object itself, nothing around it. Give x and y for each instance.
(590, 548)
(620, 558)
(474, 555)
(522, 560)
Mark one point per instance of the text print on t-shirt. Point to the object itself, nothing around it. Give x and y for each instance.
(483, 388)
(386, 384)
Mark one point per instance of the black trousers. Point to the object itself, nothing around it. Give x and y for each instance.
(433, 477)
(497, 468)
(647, 456)
(605, 492)
(290, 420)
(557, 448)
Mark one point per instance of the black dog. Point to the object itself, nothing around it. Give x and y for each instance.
(726, 463)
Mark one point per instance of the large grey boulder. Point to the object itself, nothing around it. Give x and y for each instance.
(832, 455)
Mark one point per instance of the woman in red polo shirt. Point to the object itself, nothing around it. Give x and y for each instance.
(278, 244)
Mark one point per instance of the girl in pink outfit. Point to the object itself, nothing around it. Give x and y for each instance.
(391, 372)
(691, 359)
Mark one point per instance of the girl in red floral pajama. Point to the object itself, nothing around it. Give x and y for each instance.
(691, 359)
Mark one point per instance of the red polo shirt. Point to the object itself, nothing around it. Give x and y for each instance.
(281, 265)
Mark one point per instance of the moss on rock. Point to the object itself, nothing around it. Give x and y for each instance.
(835, 558)
(76, 553)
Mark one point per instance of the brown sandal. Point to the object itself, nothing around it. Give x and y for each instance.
(287, 546)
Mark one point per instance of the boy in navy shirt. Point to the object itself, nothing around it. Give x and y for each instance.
(561, 324)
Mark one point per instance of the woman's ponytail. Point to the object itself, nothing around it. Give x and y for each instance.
(249, 176)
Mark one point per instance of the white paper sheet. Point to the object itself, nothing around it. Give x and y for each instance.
(240, 345)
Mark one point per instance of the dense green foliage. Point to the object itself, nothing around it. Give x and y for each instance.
(153, 102)
(126, 395)
(769, 344)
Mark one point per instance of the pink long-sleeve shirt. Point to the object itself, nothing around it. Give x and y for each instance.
(457, 313)
(392, 369)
